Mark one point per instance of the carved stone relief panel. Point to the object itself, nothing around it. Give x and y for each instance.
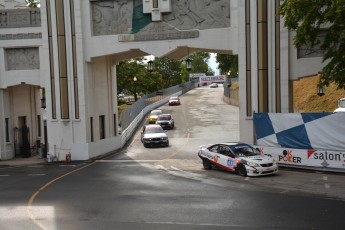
(22, 58)
(112, 17)
(199, 14)
(20, 18)
(127, 17)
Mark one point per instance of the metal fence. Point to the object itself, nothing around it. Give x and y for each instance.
(227, 85)
(131, 112)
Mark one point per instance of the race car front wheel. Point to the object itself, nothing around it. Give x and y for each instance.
(207, 164)
(241, 170)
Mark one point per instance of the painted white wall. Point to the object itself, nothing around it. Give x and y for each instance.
(303, 66)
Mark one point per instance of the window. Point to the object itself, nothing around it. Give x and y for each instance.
(91, 128)
(115, 128)
(7, 129)
(155, 4)
(225, 150)
(38, 125)
(101, 127)
(307, 51)
(214, 149)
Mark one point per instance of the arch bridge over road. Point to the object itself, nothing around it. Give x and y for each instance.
(79, 43)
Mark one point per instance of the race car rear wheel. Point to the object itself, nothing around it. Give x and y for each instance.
(241, 170)
(207, 164)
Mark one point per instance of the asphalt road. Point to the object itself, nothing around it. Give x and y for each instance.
(166, 188)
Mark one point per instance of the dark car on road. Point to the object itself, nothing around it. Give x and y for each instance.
(166, 121)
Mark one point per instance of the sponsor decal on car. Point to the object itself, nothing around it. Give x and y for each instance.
(215, 158)
(230, 162)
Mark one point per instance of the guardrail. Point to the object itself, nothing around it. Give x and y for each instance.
(132, 116)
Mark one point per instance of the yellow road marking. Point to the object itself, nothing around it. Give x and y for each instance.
(32, 198)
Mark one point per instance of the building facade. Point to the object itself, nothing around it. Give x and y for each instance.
(65, 53)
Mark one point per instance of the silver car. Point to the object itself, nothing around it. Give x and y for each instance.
(154, 135)
(241, 158)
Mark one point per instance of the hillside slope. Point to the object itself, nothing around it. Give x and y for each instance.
(305, 97)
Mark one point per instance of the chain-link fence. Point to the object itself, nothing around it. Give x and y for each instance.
(131, 112)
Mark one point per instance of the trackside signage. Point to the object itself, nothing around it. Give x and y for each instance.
(304, 157)
(202, 78)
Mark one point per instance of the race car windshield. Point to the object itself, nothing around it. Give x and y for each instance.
(163, 118)
(245, 151)
(155, 130)
(155, 112)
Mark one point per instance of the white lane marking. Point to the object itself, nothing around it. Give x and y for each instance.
(190, 175)
(4, 175)
(325, 178)
(67, 165)
(327, 186)
(174, 168)
(37, 174)
(286, 191)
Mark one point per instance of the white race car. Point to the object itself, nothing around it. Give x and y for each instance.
(241, 158)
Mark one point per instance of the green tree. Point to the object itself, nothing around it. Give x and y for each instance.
(126, 71)
(32, 3)
(146, 82)
(308, 18)
(170, 71)
(200, 63)
(227, 63)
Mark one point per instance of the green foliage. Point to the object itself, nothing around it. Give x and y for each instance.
(166, 73)
(228, 63)
(308, 18)
(200, 63)
(169, 71)
(32, 3)
(126, 71)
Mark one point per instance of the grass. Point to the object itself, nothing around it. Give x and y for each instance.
(305, 98)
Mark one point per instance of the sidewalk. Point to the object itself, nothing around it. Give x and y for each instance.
(22, 161)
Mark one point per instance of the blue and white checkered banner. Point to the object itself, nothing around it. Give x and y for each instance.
(319, 131)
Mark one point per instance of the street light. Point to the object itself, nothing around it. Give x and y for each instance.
(320, 87)
(135, 88)
(150, 66)
(188, 62)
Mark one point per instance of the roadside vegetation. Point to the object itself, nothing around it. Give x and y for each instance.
(305, 98)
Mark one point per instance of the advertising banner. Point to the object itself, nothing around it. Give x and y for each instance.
(304, 157)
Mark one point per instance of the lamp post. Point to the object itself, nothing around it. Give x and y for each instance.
(150, 66)
(188, 62)
(229, 73)
(135, 88)
(320, 87)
